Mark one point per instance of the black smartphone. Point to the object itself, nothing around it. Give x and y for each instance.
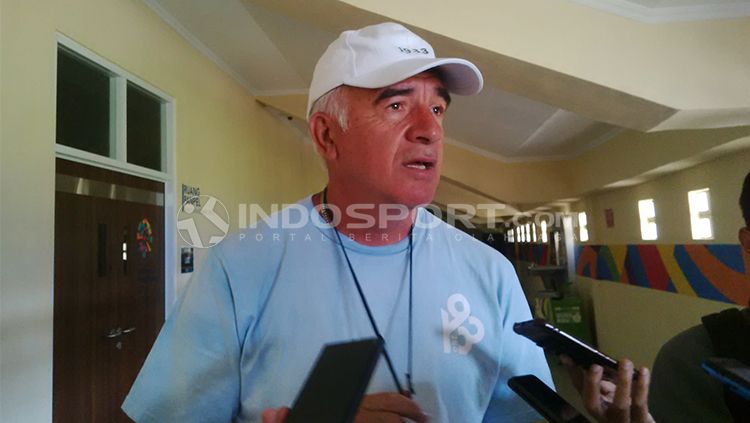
(337, 382)
(558, 342)
(733, 373)
(544, 400)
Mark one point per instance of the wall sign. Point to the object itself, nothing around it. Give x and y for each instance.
(191, 195)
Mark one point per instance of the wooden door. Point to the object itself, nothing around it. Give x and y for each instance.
(109, 288)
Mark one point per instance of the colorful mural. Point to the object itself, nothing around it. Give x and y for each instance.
(711, 271)
(534, 253)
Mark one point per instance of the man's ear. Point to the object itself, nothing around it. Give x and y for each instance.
(323, 129)
(744, 237)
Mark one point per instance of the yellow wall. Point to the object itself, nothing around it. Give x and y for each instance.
(513, 182)
(632, 154)
(227, 144)
(635, 322)
(722, 176)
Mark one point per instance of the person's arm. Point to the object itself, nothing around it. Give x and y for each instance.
(192, 372)
(622, 400)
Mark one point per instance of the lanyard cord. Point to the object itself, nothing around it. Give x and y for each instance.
(411, 291)
(325, 211)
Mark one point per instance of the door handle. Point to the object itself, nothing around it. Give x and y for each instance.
(114, 333)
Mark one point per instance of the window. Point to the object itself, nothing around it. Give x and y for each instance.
(544, 231)
(700, 214)
(510, 236)
(108, 116)
(144, 138)
(519, 235)
(647, 213)
(533, 232)
(583, 227)
(527, 229)
(83, 105)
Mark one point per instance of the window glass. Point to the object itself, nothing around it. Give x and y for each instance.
(700, 214)
(144, 128)
(83, 104)
(583, 227)
(647, 214)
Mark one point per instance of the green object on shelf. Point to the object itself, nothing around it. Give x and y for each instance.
(567, 314)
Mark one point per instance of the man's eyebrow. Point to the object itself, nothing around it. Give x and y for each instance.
(392, 92)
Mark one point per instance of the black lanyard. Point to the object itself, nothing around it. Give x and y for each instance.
(325, 213)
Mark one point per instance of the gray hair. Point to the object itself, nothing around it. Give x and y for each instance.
(333, 103)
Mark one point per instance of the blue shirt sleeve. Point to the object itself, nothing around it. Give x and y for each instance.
(519, 356)
(192, 372)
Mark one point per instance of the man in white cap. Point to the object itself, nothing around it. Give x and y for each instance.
(255, 316)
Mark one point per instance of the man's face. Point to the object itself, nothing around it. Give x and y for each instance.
(392, 150)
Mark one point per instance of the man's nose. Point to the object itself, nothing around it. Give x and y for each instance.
(425, 127)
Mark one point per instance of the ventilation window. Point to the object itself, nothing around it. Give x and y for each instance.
(144, 130)
(700, 214)
(647, 213)
(583, 227)
(84, 105)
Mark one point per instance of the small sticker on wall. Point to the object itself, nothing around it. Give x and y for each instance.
(144, 237)
(187, 259)
(609, 216)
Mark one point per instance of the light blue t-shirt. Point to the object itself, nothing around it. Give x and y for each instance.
(254, 317)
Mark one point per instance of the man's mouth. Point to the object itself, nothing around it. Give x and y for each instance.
(420, 164)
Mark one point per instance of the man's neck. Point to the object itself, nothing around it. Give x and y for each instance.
(367, 224)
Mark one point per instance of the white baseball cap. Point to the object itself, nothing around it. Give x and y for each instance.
(380, 55)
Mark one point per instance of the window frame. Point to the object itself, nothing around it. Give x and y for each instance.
(118, 128)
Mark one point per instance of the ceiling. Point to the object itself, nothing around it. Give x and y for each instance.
(526, 113)
(271, 54)
(656, 11)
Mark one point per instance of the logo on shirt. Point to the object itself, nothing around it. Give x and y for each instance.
(461, 330)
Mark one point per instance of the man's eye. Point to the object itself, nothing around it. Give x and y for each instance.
(396, 106)
(438, 110)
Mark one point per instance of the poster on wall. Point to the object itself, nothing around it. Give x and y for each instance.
(609, 217)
